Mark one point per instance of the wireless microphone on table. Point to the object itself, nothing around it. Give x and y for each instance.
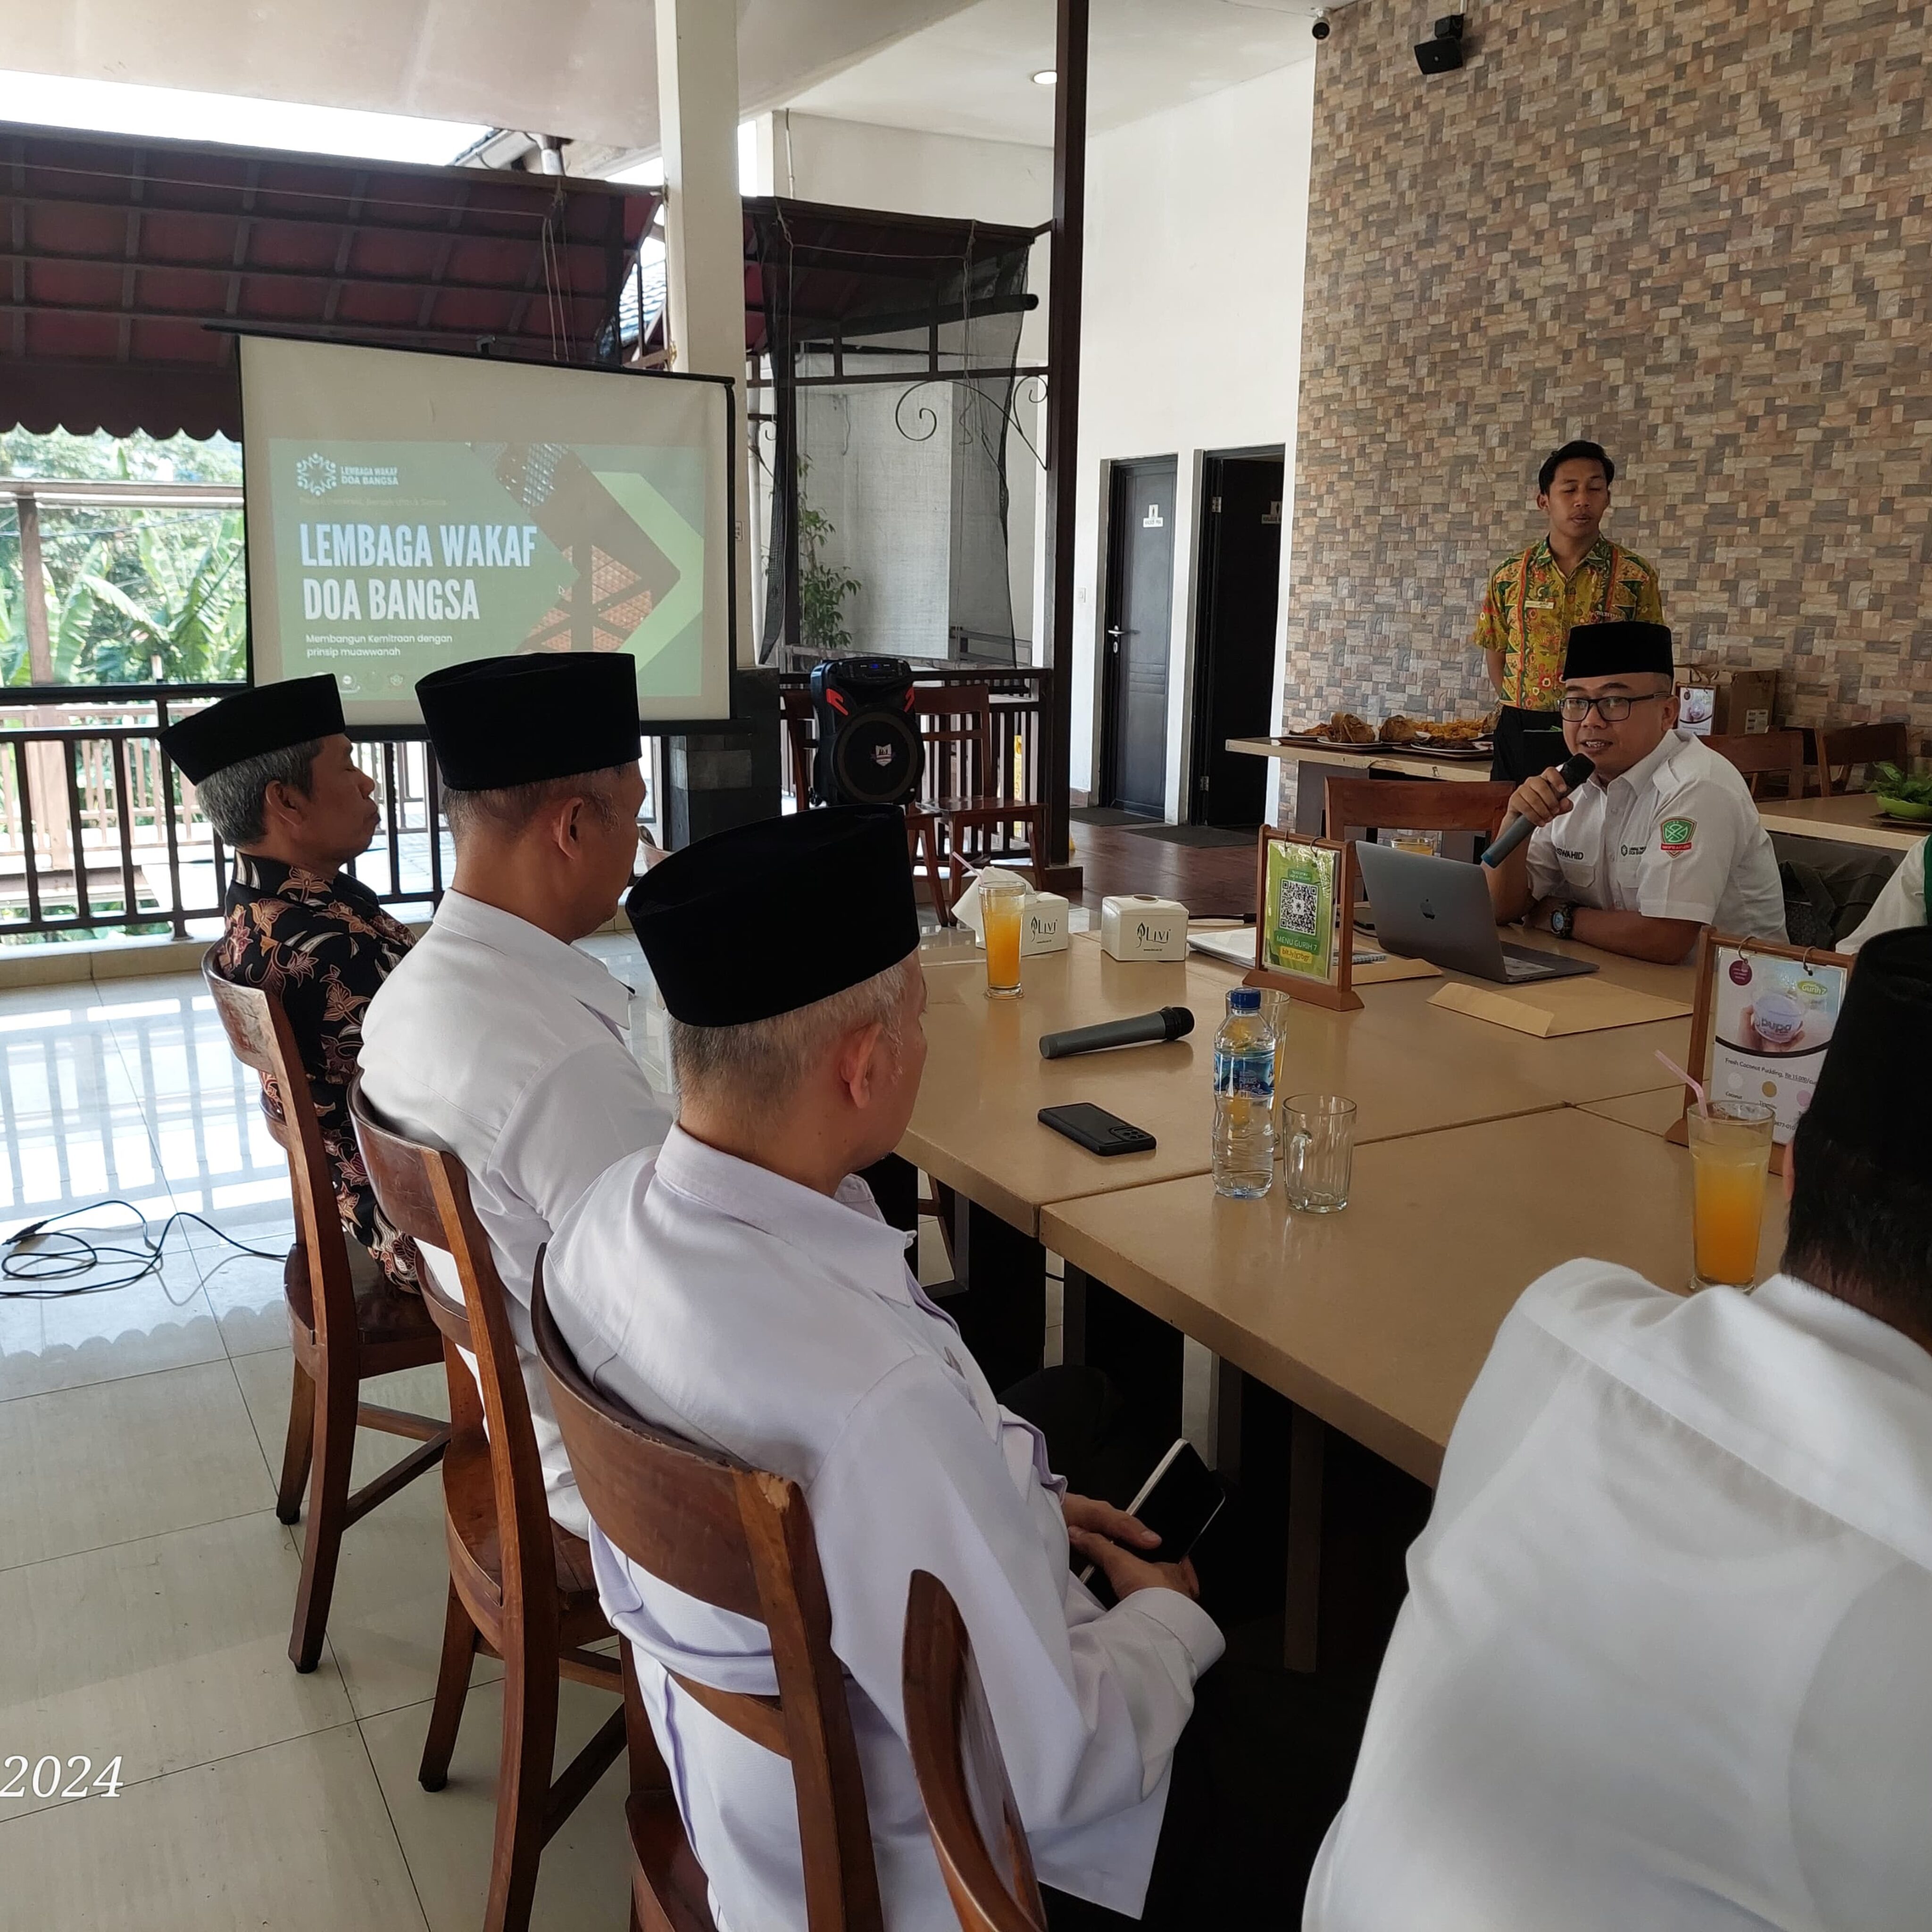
(1170, 1023)
(1574, 772)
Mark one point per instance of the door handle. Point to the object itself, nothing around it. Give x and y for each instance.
(1113, 631)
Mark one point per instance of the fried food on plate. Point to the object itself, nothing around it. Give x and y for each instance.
(1345, 728)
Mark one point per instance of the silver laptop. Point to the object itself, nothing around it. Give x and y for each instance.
(1438, 910)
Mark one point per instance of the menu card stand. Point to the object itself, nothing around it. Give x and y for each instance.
(1305, 919)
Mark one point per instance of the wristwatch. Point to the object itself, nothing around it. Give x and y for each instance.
(1563, 921)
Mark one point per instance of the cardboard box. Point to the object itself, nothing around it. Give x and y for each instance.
(1747, 703)
(1138, 925)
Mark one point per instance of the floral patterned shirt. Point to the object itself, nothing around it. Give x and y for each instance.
(1532, 606)
(321, 946)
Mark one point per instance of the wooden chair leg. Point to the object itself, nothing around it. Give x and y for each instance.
(452, 1688)
(523, 1792)
(299, 1449)
(334, 1450)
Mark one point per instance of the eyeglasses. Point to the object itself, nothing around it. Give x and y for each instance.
(1611, 710)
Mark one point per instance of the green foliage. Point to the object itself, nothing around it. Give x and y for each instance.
(1888, 781)
(823, 587)
(134, 595)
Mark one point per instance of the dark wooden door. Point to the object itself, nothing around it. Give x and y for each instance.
(1234, 652)
(1136, 634)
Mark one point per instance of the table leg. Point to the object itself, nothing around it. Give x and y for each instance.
(1142, 1353)
(999, 1296)
(1306, 1455)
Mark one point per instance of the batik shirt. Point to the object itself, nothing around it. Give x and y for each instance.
(321, 946)
(1531, 607)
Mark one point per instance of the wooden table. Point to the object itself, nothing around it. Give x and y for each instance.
(1850, 819)
(1414, 764)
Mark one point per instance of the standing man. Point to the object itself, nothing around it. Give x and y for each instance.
(274, 776)
(1573, 574)
(497, 1038)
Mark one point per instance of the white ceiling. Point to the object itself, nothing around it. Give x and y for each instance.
(971, 72)
(586, 69)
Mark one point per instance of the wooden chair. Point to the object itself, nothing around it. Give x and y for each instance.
(345, 1325)
(1756, 753)
(968, 790)
(969, 1810)
(741, 1539)
(1427, 805)
(922, 828)
(520, 1585)
(1842, 747)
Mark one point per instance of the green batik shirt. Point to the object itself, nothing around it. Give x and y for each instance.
(1530, 608)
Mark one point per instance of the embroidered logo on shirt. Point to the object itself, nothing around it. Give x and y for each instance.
(1675, 835)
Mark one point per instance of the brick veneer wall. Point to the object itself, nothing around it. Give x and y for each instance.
(1695, 230)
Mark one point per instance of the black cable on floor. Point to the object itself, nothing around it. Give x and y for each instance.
(44, 1252)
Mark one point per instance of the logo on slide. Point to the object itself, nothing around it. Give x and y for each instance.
(316, 474)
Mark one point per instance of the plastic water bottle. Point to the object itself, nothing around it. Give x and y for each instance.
(1243, 1148)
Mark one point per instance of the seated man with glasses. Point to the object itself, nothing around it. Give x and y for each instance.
(1661, 841)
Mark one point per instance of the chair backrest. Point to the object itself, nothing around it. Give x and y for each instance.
(970, 1810)
(1424, 805)
(1755, 753)
(425, 1193)
(956, 724)
(258, 1029)
(740, 1539)
(1842, 747)
(801, 740)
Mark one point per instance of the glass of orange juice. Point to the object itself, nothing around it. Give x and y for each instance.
(1730, 1154)
(1001, 901)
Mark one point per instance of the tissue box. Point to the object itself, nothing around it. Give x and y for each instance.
(1138, 925)
(1042, 924)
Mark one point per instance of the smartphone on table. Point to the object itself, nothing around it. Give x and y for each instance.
(1095, 1130)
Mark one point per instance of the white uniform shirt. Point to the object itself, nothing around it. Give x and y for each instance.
(1677, 836)
(1901, 904)
(507, 1047)
(1664, 1661)
(743, 1311)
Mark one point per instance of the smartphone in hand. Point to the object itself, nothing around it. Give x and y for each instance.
(1177, 1502)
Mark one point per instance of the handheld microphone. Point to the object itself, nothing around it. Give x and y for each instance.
(1170, 1023)
(1574, 771)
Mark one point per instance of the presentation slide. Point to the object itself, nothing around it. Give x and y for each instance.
(406, 512)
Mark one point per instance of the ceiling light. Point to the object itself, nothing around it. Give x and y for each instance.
(1045, 77)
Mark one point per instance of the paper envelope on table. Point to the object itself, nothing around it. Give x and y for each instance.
(1559, 1006)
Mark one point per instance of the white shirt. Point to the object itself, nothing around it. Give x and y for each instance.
(1677, 836)
(507, 1047)
(1664, 1663)
(1901, 904)
(743, 1311)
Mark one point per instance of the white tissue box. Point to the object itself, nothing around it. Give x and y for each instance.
(1138, 925)
(1043, 924)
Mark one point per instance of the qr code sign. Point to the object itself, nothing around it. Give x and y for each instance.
(1299, 901)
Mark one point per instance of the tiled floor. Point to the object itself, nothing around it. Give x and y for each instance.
(146, 1585)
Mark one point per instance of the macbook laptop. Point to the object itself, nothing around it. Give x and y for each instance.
(1438, 910)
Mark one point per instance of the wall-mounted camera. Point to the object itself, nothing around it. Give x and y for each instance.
(1442, 52)
(1321, 29)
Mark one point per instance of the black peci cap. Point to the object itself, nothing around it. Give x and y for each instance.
(1622, 647)
(497, 722)
(270, 717)
(769, 917)
(1878, 1068)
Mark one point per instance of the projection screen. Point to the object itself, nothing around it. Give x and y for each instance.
(407, 510)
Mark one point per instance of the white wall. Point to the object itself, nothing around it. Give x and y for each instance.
(855, 164)
(1190, 339)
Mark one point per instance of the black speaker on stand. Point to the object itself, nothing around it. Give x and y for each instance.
(869, 750)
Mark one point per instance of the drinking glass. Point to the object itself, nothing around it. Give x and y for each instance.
(1275, 1008)
(1429, 844)
(1730, 1154)
(1000, 906)
(1321, 1151)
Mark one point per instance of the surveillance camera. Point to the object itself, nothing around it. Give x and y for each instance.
(1321, 29)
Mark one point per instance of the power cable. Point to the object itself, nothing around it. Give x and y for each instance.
(44, 1253)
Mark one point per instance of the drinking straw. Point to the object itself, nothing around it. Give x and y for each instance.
(1695, 1086)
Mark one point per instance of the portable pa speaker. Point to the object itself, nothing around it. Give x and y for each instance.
(869, 750)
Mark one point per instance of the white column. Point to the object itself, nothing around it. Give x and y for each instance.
(704, 240)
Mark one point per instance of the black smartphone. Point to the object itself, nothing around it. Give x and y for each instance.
(1095, 1130)
(1177, 1502)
